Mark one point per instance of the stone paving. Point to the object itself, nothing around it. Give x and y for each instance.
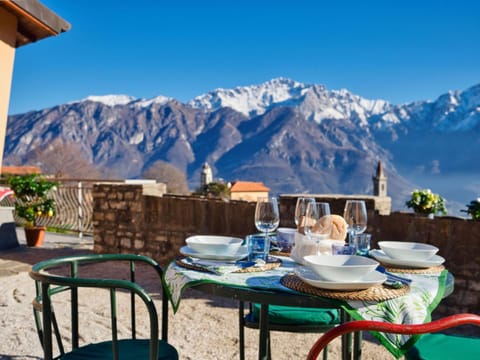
(190, 329)
(21, 258)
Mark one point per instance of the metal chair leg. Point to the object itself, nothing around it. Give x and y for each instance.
(347, 338)
(357, 345)
(241, 329)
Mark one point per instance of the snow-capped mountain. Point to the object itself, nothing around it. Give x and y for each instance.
(252, 100)
(313, 101)
(109, 100)
(115, 100)
(158, 100)
(295, 137)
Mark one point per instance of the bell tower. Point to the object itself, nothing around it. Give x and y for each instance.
(206, 175)
(380, 182)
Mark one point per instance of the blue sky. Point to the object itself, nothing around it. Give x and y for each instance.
(399, 51)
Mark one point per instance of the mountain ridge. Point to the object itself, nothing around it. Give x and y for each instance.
(283, 132)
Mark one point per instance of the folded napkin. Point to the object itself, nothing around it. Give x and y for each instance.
(304, 246)
(213, 266)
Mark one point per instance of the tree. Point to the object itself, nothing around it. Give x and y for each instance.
(215, 189)
(64, 160)
(168, 174)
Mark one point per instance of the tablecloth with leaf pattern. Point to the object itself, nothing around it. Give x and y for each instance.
(426, 291)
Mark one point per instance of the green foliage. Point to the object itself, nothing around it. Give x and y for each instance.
(473, 209)
(426, 202)
(214, 189)
(32, 197)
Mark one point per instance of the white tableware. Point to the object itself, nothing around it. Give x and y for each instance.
(340, 267)
(285, 238)
(407, 250)
(242, 252)
(214, 245)
(379, 255)
(343, 249)
(310, 277)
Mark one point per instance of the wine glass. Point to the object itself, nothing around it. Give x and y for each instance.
(318, 222)
(355, 214)
(267, 216)
(301, 208)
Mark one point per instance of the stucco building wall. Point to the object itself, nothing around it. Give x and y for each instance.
(8, 31)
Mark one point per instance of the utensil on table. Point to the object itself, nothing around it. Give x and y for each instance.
(392, 277)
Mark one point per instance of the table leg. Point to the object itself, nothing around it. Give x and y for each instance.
(263, 346)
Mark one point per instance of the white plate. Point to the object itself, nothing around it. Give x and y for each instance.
(379, 255)
(240, 254)
(312, 278)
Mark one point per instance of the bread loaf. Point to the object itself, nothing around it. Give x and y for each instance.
(337, 232)
(339, 228)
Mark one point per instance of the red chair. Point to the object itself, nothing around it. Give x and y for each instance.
(431, 346)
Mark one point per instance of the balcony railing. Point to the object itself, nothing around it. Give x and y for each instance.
(74, 205)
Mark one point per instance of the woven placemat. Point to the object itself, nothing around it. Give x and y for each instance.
(431, 270)
(374, 293)
(272, 263)
(279, 253)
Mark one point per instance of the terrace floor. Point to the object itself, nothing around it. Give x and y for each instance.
(203, 328)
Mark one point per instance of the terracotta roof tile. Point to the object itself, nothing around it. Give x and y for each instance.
(248, 186)
(21, 170)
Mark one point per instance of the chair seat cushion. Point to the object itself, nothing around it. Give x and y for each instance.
(128, 349)
(289, 315)
(441, 346)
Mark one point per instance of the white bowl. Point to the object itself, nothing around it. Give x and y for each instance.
(214, 245)
(407, 250)
(342, 268)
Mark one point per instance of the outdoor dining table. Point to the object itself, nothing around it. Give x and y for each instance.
(268, 287)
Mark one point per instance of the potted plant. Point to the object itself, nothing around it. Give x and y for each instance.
(32, 202)
(426, 203)
(473, 209)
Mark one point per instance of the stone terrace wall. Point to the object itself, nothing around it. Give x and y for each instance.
(118, 218)
(125, 220)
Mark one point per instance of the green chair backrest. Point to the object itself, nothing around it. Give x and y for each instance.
(48, 282)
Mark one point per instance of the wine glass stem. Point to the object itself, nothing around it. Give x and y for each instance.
(267, 244)
(351, 233)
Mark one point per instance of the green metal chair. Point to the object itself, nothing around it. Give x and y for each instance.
(288, 319)
(50, 280)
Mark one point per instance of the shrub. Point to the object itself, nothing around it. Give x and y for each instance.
(31, 197)
(426, 202)
(473, 209)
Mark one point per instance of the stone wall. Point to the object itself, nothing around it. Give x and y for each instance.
(126, 220)
(118, 218)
